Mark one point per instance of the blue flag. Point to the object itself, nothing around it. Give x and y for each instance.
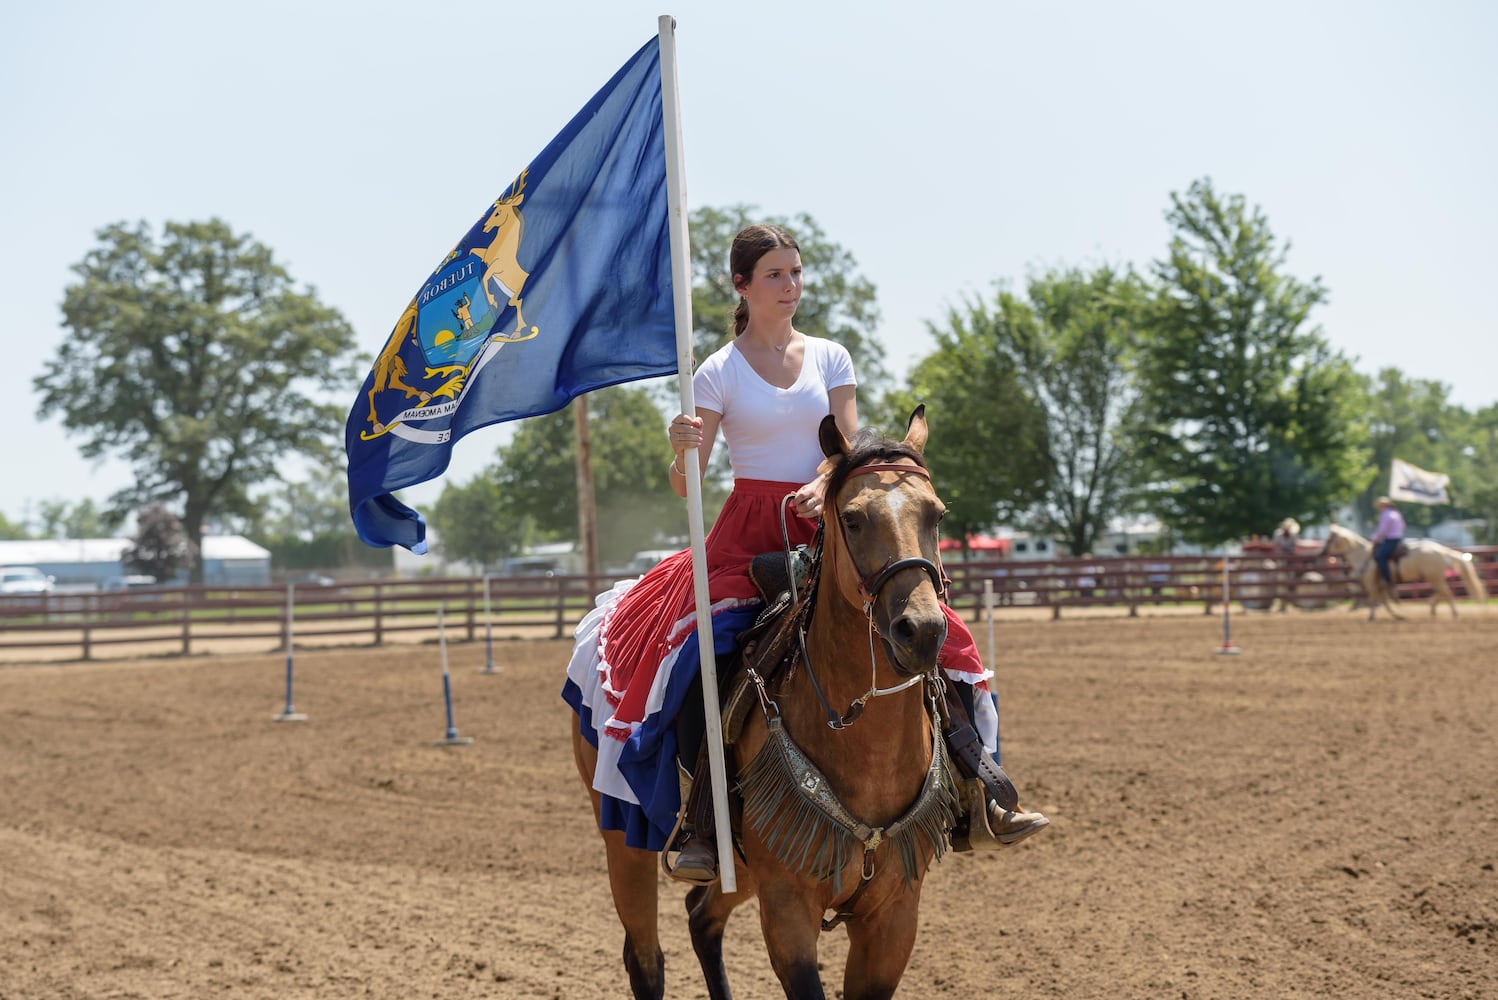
(562, 286)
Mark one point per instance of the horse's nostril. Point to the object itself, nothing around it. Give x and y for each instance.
(903, 631)
(918, 635)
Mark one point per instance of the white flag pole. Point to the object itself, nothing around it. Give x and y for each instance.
(681, 281)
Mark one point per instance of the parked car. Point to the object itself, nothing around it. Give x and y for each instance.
(530, 566)
(24, 580)
(134, 581)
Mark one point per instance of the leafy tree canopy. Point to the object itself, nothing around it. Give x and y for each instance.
(60, 519)
(478, 523)
(1477, 490)
(11, 532)
(988, 436)
(1073, 361)
(1248, 416)
(1410, 419)
(636, 508)
(194, 359)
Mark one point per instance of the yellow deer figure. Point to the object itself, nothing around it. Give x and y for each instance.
(501, 265)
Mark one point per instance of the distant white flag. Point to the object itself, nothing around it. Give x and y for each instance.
(1416, 485)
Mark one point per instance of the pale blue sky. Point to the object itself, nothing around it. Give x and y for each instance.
(945, 144)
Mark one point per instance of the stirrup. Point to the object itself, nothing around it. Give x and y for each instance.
(680, 834)
(975, 832)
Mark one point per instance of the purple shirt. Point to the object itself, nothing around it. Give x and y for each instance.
(1390, 525)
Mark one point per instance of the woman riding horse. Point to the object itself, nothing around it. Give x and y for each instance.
(847, 788)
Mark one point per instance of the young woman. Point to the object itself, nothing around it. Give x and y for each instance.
(636, 653)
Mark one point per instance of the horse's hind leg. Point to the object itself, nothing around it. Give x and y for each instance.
(707, 918)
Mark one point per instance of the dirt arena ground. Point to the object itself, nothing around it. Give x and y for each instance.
(1317, 817)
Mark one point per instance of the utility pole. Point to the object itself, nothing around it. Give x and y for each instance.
(587, 519)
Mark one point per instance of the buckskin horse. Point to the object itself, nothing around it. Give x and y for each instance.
(841, 813)
(1417, 560)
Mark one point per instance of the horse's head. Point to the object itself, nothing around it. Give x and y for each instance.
(884, 512)
(1339, 542)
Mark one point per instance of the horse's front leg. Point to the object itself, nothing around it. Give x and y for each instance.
(791, 918)
(633, 884)
(879, 948)
(708, 909)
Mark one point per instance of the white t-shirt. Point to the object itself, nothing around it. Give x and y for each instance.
(771, 433)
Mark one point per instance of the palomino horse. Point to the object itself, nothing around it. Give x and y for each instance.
(840, 814)
(1417, 560)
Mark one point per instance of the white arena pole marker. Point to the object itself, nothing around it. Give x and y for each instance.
(489, 667)
(1227, 646)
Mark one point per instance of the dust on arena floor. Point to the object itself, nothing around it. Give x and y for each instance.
(1316, 817)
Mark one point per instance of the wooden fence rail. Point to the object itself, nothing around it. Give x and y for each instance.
(176, 619)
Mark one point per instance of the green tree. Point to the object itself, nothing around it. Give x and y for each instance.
(475, 522)
(635, 506)
(1411, 419)
(61, 519)
(305, 525)
(988, 445)
(160, 548)
(1479, 496)
(838, 303)
(1074, 361)
(11, 532)
(1247, 415)
(309, 508)
(195, 360)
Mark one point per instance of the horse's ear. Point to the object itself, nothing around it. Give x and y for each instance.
(915, 431)
(831, 437)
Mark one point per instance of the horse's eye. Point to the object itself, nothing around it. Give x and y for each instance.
(851, 523)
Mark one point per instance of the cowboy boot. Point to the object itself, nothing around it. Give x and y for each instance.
(692, 842)
(991, 818)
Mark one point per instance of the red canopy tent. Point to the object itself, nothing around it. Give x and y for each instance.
(979, 544)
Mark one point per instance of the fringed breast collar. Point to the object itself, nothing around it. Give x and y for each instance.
(792, 807)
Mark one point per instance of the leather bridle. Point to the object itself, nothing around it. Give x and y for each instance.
(870, 585)
(868, 589)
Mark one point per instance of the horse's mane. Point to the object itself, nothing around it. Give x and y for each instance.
(868, 446)
(1346, 533)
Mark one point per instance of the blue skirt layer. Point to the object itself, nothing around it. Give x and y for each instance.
(648, 762)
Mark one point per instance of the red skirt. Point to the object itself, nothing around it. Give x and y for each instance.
(649, 619)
